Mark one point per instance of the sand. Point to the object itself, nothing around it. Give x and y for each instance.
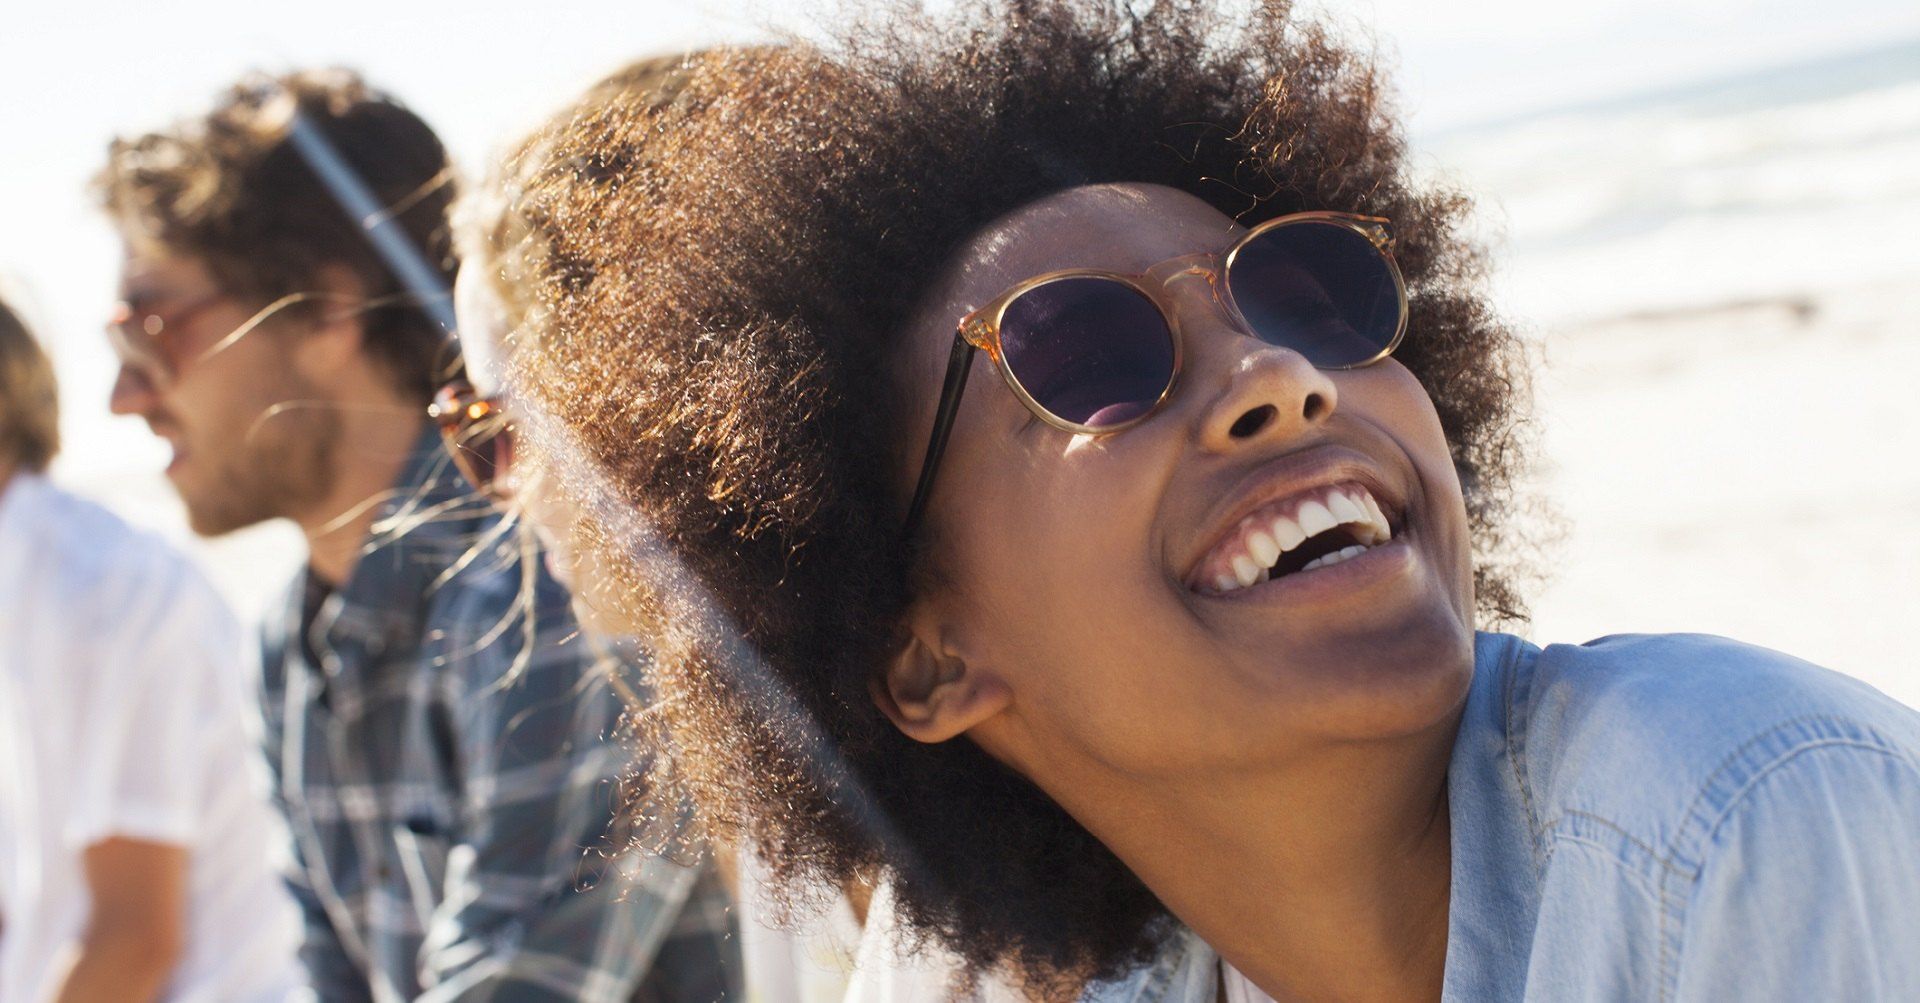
(1750, 469)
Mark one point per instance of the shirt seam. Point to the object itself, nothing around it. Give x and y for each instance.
(1647, 883)
(1697, 829)
(1519, 694)
(1675, 905)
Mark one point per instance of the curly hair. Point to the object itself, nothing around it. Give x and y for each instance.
(709, 287)
(229, 189)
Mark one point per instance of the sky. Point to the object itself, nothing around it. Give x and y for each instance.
(76, 74)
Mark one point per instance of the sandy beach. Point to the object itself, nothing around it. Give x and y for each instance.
(1727, 313)
(1748, 470)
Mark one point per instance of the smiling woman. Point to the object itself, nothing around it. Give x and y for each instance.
(1149, 668)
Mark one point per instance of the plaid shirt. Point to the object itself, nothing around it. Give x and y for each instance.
(442, 747)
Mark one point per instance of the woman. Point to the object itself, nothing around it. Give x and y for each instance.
(1142, 661)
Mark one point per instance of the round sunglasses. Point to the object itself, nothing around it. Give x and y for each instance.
(1094, 352)
(477, 434)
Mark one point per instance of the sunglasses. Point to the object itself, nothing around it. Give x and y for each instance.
(145, 340)
(1094, 352)
(477, 435)
(142, 338)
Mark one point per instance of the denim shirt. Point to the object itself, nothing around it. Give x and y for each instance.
(1663, 817)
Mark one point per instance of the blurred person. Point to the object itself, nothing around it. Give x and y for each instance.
(785, 958)
(839, 944)
(1165, 659)
(442, 744)
(135, 853)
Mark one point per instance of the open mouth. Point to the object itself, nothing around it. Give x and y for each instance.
(1294, 535)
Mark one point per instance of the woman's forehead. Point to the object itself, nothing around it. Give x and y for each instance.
(1126, 227)
(1122, 227)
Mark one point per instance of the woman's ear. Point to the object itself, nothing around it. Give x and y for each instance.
(930, 689)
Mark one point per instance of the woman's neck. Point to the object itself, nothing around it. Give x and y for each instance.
(1328, 880)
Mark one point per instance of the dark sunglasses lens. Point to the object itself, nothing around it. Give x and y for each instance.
(482, 448)
(1321, 289)
(482, 453)
(1092, 351)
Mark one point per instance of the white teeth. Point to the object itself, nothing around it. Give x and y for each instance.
(1287, 533)
(1336, 557)
(1315, 519)
(1263, 548)
(1344, 508)
(1382, 532)
(1260, 549)
(1373, 509)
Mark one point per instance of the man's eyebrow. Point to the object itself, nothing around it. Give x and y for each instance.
(147, 293)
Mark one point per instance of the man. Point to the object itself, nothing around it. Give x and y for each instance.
(442, 741)
(135, 853)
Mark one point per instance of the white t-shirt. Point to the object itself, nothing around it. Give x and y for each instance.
(122, 714)
(833, 958)
(1239, 988)
(892, 968)
(807, 959)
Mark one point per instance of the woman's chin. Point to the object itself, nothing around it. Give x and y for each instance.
(1373, 676)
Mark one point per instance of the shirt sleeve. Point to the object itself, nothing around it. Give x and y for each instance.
(532, 909)
(165, 649)
(1810, 888)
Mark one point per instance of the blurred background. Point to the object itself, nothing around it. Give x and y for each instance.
(1706, 216)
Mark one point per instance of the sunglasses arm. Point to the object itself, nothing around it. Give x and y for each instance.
(959, 364)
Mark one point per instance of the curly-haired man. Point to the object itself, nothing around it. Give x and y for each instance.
(441, 739)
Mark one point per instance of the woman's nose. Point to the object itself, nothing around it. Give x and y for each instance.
(1252, 392)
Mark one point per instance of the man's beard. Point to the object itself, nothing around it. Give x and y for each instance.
(282, 469)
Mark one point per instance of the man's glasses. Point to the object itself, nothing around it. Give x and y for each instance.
(1095, 352)
(147, 341)
(477, 434)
